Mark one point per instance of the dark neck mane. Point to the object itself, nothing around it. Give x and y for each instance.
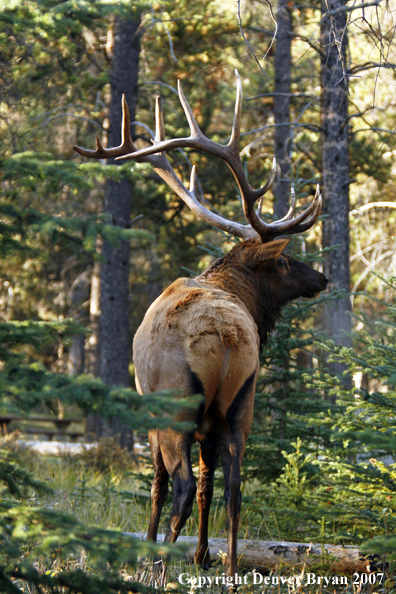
(230, 274)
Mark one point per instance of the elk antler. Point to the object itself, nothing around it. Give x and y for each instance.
(156, 156)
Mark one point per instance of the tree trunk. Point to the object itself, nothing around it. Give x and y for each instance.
(282, 106)
(76, 357)
(77, 297)
(93, 343)
(335, 164)
(114, 320)
(94, 422)
(267, 555)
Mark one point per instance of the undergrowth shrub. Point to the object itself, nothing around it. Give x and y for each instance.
(343, 489)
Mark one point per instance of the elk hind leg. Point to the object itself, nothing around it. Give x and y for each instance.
(232, 446)
(232, 459)
(175, 448)
(159, 488)
(208, 455)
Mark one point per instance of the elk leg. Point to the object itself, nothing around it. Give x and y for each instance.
(159, 488)
(208, 455)
(175, 448)
(232, 455)
(239, 419)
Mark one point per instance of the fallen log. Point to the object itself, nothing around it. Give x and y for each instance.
(269, 555)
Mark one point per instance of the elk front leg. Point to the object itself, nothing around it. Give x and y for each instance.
(208, 455)
(159, 488)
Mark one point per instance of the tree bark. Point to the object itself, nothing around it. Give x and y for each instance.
(93, 343)
(94, 422)
(282, 106)
(76, 357)
(77, 297)
(266, 554)
(335, 165)
(114, 320)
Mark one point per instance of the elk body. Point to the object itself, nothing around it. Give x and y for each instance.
(203, 335)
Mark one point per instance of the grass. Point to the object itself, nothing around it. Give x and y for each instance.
(107, 488)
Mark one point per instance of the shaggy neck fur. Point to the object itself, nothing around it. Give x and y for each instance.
(231, 274)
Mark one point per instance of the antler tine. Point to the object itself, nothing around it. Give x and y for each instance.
(192, 122)
(289, 224)
(99, 153)
(292, 209)
(250, 197)
(308, 224)
(126, 147)
(274, 172)
(295, 225)
(259, 207)
(126, 140)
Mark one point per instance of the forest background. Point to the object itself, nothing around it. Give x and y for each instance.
(87, 246)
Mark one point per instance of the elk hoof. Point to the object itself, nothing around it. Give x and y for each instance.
(203, 560)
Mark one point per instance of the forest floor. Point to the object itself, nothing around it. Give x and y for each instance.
(104, 487)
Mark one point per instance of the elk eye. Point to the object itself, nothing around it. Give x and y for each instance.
(282, 263)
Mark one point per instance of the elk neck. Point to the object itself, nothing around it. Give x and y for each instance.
(232, 275)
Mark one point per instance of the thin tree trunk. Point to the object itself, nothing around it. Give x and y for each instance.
(282, 105)
(114, 321)
(93, 348)
(94, 422)
(76, 356)
(335, 163)
(77, 298)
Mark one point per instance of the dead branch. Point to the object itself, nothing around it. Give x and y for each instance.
(292, 34)
(260, 554)
(371, 205)
(370, 66)
(350, 8)
(293, 95)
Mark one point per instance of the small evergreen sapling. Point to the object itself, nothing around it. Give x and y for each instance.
(364, 468)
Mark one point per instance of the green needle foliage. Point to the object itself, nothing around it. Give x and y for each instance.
(339, 481)
(39, 173)
(26, 385)
(364, 468)
(31, 536)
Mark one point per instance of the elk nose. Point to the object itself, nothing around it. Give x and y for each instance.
(325, 281)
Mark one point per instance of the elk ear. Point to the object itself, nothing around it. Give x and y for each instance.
(273, 249)
(267, 251)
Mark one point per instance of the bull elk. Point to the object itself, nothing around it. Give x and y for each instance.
(203, 336)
